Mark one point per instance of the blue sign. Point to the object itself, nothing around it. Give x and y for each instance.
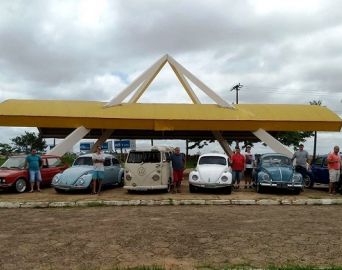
(85, 146)
(122, 144)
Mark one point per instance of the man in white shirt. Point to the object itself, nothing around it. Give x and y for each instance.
(98, 173)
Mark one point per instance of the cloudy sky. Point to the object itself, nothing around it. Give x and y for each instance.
(281, 51)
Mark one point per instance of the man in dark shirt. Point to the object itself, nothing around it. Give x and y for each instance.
(177, 161)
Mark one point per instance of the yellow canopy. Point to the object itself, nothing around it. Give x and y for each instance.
(63, 115)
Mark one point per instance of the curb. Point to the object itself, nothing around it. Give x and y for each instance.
(35, 204)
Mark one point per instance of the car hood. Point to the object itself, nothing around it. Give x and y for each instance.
(210, 172)
(281, 173)
(10, 172)
(70, 175)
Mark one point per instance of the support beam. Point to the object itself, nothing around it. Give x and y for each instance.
(224, 144)
(105, 135)
(66, 145)
(273, 143)
(131, 87)
(200, 84)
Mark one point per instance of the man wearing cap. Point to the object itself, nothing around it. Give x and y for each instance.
(302, 158)
(34, 163)
(238, 166)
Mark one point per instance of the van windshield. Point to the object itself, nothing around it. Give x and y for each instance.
(144, 157)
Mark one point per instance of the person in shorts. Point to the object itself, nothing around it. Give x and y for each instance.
(178, 162)
(98, 173)
(249, 165)
(34, 163)
(334, 166)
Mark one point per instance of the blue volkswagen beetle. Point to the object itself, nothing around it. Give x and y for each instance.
(79, 176)
(277, 171)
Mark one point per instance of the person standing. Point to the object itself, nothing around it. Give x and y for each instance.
(249, 165)
(177, 161)
(302, 158)
(98, 173)
(334, 166)
(238, 166)
(34, 163)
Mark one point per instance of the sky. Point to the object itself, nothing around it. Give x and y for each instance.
(280, 51)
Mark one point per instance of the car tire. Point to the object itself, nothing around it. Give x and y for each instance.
(192, 188)
(122, 181)
(20, 185)
(259, 188)
(227, 190)
(59, 190)
(308, 183)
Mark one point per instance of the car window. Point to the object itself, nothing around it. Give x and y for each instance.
(107, 162)
(14, 162)
(54, 162)
(44, 163)
(83, 161)
(144, 157)
(276, 161)
(115, 161)
(212, 160)
(318, 161)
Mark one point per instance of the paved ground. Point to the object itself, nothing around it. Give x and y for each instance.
(176, 237)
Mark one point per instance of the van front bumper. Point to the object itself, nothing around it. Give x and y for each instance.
(145, 188)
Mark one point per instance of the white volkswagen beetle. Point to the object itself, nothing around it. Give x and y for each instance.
(212, 171)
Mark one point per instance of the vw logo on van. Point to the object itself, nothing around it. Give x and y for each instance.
(141, 171)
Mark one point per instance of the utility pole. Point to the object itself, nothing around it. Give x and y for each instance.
(237, 88)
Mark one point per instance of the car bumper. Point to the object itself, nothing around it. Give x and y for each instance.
(210, 185)
(3, 186)
(145, 188)
(66, 188)
(283, 185)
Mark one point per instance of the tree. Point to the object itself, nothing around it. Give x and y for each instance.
(5, 149)
(24, 143)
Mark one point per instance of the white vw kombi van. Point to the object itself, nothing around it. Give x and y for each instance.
(148, 169)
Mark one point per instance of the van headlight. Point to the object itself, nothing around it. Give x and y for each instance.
(128, 177)
(156, 177)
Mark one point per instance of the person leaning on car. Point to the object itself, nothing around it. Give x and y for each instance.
(238, 166)
(98, 173)
(34, 163)
(177, 161)
(334, 166)
(302, 158)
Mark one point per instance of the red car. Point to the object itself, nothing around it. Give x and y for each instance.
(13, 175)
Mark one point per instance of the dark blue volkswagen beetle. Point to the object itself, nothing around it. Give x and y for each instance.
(277, 171)
(319, 173)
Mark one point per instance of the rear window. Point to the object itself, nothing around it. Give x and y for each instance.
(144, 157)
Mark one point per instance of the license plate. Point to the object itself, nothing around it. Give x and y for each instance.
(281, 185)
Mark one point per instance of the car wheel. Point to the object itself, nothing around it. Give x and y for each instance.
(59, 190)
(259, 188)
(308, 183)
(228, 190)
(122, 181)
(20, 185)
(192, 188)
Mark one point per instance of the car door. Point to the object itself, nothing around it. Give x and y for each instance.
(165, 169)
(50, 167)
(320, 170)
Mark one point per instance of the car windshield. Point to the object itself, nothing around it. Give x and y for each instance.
(81, 161)
(144, 157)
(14, 162)
(212, 160)
(276, 161)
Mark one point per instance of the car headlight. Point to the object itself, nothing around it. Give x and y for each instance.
(80, 181)
(265, 177)
(297, 178)
(2, 180)
(56, 178)
(128, 177)
(224, 178)
(156, 177)
(194, 177)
